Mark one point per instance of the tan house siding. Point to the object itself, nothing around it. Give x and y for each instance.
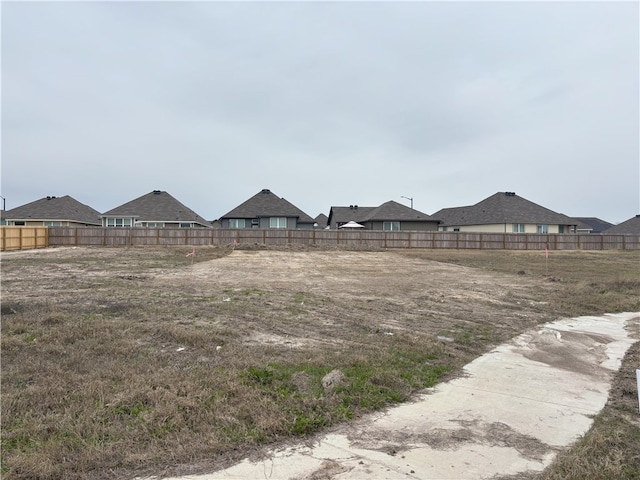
(41, 223)
(502, 228)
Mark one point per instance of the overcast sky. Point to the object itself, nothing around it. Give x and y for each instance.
(325, 104)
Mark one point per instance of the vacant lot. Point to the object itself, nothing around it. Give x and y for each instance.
(123, 362)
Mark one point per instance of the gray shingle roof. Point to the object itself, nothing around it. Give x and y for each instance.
(157, 206)
(55, 209)
(595, 224)
(502, 208)
(266, 204)
(352, 213)
(628, 226)
(394, 211)
(388, 211)
(321, 220)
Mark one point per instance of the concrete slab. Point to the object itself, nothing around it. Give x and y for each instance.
(511, 412)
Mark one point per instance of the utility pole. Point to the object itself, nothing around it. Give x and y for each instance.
(408, 198)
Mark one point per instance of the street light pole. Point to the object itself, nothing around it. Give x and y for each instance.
(408, 198)
(4, 200)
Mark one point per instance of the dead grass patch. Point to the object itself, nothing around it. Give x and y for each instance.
(118, 362)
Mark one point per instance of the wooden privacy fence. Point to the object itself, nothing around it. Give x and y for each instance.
(23, 238)
(135, 236)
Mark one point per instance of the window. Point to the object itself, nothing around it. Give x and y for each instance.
(542, 229)
(155, 224)
(560, 228)
(19, 223)
(445, 229)
(186, 225)
(52, 224)
(236, 223)
(118, 222)
(518, 228)
(278, 222)
(456, 229)
(391, 226)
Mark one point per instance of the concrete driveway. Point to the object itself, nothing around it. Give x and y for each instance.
(511, 412)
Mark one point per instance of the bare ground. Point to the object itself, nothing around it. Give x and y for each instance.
(246, 308)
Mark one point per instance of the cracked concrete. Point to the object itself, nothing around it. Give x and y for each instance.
(511, 412)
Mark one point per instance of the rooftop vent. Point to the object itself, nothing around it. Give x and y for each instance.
(266, 190)
(510, 194)
(157, 192)
(50, 197)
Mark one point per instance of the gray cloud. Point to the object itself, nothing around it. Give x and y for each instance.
(323, 103)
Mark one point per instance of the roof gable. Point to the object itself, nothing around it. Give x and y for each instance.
(266, 204)
(50, 208)
(321, 220)
(502, 208)
(395, 211)
(157, 206)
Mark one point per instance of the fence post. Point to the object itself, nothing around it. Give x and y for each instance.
(638, 384)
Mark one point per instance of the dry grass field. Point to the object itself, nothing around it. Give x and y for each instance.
(136, 361)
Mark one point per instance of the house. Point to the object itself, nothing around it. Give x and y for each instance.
(156, 209)
(266, 210)
(591, 225)
(504, 212)
(391, 216)
(631, 226)
(53, 211)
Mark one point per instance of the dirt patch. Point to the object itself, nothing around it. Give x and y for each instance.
(389, 292)
(566, 350)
